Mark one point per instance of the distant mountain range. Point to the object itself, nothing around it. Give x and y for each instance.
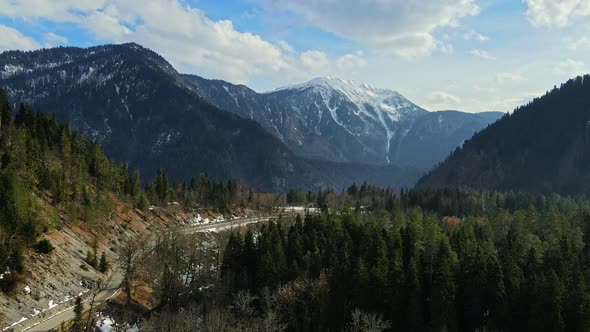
(326, 132)
(146, 114)
(543, 146)
(346, 121)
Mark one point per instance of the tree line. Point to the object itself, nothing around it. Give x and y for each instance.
(508, 271)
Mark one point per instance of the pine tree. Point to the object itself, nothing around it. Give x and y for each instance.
(162, 186)
(91, 259)
(78, 315)
(104, 265)
(230, 266)
(134, 183)
(495, 293)
(443, 291)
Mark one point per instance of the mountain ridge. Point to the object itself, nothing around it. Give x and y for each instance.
(543, 146)
(339, 120)
(132, 101)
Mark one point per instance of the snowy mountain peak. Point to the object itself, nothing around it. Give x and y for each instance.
(364, 112)
(348, 87)
(330, 118)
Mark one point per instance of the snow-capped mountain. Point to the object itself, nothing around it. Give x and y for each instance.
(347, 121)
(370, 115)
(146, 114)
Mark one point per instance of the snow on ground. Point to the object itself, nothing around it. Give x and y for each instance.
(198, 220)
(13, 324)
(298, 209)
(107, 324)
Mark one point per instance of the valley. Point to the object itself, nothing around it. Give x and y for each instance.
(172, 202)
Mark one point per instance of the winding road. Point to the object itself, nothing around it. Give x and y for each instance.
(112, 287)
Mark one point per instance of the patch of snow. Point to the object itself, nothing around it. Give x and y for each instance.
(10, 70)
(298, 209)
(126, 108)
(166, 137)
(232, 95)
(14, 324)
(86, 75)
(108, 324)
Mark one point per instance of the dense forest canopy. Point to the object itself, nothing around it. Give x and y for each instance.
(524, 270)
(424, 260)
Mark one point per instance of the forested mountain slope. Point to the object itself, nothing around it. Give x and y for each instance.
(543, 146)
(67, 211)
(59, 198)
(145, 114)
(134, 103)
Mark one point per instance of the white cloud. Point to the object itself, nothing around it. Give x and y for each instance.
(580, 44)
(286, 46)
(446, 48)
(11, 39)
(556, 13)
(505, 77)
(441, 100)
(314, 59)
(350, 62)
(105, 26)
(403, 28)
(570, 67)
(184, 35)
(56, 11)
(473, 35)
(52, 39)
(317, 63)
(482, 54)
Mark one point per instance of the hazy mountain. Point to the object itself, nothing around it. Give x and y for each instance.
(435, 134)
(333, 119)
(543, 146)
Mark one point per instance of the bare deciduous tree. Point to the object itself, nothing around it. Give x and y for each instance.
(366, 322)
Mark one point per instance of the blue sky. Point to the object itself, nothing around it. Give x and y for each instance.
(470, 55)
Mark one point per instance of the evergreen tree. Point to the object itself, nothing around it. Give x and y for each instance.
(78, 322)
(103, 265)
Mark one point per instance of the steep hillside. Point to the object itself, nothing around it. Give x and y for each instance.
(543, 146)
(332, 119)
(144, 113)
(63, 205)
(133, 102)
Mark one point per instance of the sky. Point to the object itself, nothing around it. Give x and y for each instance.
(468, 55)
